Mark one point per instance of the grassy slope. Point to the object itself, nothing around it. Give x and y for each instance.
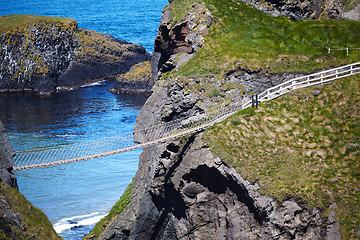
(303, 145)
(116, 210)
(36, 224)
(13, 21)
(245, 38)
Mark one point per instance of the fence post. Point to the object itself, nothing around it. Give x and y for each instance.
(257, 100)
(321, 80)
(329, 51)
(351, 69)
(347, 51)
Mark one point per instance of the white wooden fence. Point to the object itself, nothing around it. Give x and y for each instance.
(342, 49)
(319, 78)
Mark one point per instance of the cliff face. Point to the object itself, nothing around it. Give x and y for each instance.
(6, 160)
(18, 218)
(51, 54)
(182, 190)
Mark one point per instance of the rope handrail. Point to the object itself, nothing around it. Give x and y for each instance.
(64, 154)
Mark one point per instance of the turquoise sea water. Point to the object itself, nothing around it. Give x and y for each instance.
(76, 196)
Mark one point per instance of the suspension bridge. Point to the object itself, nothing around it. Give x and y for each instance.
(44, 157)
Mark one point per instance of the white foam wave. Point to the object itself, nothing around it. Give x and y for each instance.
(78, 221)
(100, 83)
(66, 135)
(60, 89)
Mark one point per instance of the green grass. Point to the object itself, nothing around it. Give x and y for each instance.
(116, 210)
(14, 21)
(349, 4)
(304, 145)
(245, 38)
(36, 224)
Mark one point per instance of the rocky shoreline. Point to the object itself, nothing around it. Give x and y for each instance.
(51, 55)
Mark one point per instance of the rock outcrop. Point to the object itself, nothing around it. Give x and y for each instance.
(136, 81)
(45, 56)
(176, 44)
(298, 10)
(6, 160)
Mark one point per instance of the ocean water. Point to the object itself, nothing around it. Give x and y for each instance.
(134, 21)
(73, 196)
(76, 196)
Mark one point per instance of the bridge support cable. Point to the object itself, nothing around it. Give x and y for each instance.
(165, 131)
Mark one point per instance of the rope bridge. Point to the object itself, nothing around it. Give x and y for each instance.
(64, 154)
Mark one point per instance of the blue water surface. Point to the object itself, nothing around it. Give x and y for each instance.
(134, 21)
(73, 196)
(76, 196)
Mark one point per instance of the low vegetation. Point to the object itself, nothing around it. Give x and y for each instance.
(245, 38)
(304, 145)
(36, 224)
(140, 72)
(9, 22)
(116, 210)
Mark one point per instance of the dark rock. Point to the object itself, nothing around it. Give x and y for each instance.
(136, 81)
(50, 56)
(6, 160)
(201, 197)
(259, 82)
(298, 10)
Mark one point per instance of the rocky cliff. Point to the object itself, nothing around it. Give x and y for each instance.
(6, 160)
(18, 218)
(43, 54)
(183, 189)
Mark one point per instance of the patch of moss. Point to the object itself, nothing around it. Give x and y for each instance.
(35, 222)
(115, 211)
(305, 145)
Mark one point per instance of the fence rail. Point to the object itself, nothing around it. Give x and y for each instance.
(314, 79)
(342, 49)
(162, 132)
